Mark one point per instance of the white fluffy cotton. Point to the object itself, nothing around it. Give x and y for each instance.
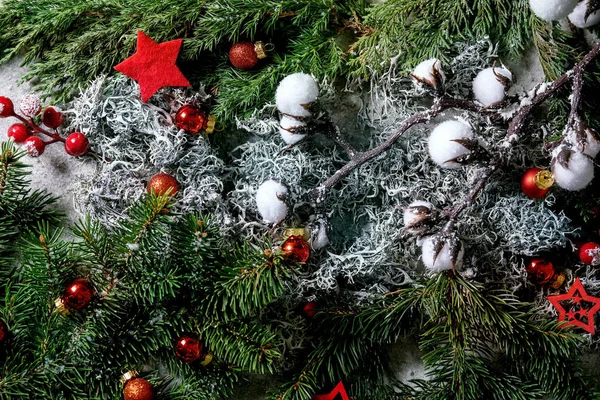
(591, 145)
(287, 124)
(488, 89)
(413, 216)
(425, 71)
(443, 148)
(577, 17)
(444, 260)
(552, 10)
(578, 174)
(269, 200)
(295, 92)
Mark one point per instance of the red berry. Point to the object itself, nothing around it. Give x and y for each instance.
(35, 146)
(310, 309)
(589, 253)
(77, 144)
(52, 117)
(18, 132)
(7, 109)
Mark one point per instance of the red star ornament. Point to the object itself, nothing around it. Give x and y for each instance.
(581, 310)
(153, 65)
(339, 389)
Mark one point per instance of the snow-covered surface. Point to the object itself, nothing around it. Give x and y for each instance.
(295, 92)
(552, 10)
(577, 17)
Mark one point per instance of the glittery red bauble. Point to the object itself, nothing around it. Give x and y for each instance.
(7, 108)
(296, 249)
(586, 253)
(188, 348)
(77, 144)
(138, 389)
(163, 184)
(540, 271)
(3, 331)
(529, 186)
(18, 132)
(52, 117)
(243, 55)
(191, 119)
(78, 294)
(310, 309)
(35, 146)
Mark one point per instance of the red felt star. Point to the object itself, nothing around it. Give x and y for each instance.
(153, 65)
(575, 313)
(339, 389)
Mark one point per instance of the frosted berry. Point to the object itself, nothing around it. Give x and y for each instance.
(163, 184)
(35, 146)
(7, 108)
(77, 144)
(138, 389)
(243, 55)
(589, 253)
(18, 132)
(30, 105)
(52, 117)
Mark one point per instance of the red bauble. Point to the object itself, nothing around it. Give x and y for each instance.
(542, 272)
(138, 389)
(77, 144)
(52, 117)
(310, 309)
(243, 55)
(35, 146)
(78, 294)
(163, 184)
(188, 348)
(18, 132)
(296, 249)
(7, 108)
(589, 253)
(193, 120)
(536, 182)
(3, 331)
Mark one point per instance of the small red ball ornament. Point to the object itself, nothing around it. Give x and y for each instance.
(3, 332)
(138, 389)
(245, 55)
(18, 132)
(296, 249)
(52, 117)
(310, 309)
(78, 294)
(536, 182)
(7, 108)
(35, 146)
(542, 272)
(188, 348)
(163, 184)
(77, 144)
(589, 253)
(193, 120)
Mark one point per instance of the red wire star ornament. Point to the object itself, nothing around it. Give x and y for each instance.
(153, 65)
(577, 313)
(339, 389)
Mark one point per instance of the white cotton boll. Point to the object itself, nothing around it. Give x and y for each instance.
(572, 170)
(286, 125)
(589, 145)
(270, 198)
(552, 10)
(320, 240)
(417, 216)
(295, 92)
(577, 17)
(442, 145)
(488, 88)
(429, 72)
(449, 257)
